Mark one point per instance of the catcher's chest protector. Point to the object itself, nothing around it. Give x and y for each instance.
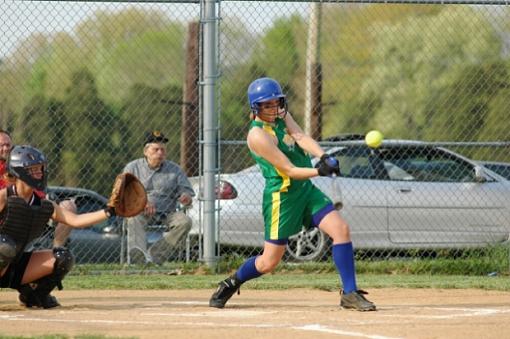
(23, 222)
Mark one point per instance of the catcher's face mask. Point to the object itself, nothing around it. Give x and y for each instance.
(28, 164)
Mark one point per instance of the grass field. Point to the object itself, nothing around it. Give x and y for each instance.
(484, 269)
(323, 281)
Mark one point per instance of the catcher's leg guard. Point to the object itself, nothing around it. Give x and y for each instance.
(37, 293)
(225, 291)
(7, 250)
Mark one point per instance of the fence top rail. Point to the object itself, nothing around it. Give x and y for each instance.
(122, 1)
(436, 2)
(423, 2)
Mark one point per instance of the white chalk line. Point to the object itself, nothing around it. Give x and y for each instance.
(309, 327)
(465, 312)
(223, 314)
(189, 303)
(325, 329)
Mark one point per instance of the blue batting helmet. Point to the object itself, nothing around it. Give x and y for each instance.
(262, 90)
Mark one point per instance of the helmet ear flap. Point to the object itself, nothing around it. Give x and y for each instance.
(255, 108)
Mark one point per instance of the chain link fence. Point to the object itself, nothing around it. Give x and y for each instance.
(84, 81)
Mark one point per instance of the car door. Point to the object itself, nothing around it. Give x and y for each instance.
(240, 220)
(361, 190)
(435, 199)
(98, 243)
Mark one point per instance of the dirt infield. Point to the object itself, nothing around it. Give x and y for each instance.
(296, 314)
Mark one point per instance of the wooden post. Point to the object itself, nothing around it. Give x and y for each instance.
(313, 87)
(190, 115)
(316, 102)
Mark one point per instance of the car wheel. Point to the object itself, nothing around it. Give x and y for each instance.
(308, 245)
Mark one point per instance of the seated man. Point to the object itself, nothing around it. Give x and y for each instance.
(167, 186)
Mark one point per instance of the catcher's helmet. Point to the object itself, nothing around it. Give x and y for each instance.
(20, 159)
(262, 90)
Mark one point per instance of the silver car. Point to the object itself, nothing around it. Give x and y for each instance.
(501, 168)
(405, 194)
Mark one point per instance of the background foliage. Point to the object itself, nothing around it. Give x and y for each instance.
(84, 81)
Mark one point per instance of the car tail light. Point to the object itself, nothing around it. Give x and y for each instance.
(225, 190)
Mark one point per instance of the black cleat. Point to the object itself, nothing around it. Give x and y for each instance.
(357, 301)
(48, 301)
(225, 291)
(30, 298)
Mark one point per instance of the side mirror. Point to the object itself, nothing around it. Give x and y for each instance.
(480, 175)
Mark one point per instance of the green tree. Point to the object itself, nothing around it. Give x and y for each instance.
(153, 58)
(278, 54)
(15, 74)
(119, 49)
(463, 110)
(147, 109)
(52, 72)
(412, 68)
(43, 124)
(349, 37)
(90, 137)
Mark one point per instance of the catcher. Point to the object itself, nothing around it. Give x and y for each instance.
(24, 215)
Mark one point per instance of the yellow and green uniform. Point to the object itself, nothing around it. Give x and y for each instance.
(288, 204)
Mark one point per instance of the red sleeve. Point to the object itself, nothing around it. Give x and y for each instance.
(40, 194)
(3, 170)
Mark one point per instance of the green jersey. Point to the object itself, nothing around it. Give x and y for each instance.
(288, 204)
(275, 179)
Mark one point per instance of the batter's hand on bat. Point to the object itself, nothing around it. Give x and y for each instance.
(328, 166)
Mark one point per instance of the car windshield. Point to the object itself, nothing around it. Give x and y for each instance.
(403, 162)
(426, 164)
(501, 169)
(359, 163)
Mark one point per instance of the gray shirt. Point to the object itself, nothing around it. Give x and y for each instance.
(163, 185)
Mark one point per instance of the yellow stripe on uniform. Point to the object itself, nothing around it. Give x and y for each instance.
(275, 216)
(269, 129)
(285, 179)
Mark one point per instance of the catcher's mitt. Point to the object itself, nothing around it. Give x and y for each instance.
(128, 196)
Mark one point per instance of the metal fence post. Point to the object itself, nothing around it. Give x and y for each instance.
(210, 127)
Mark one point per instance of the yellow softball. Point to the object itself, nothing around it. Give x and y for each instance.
(374, 139)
